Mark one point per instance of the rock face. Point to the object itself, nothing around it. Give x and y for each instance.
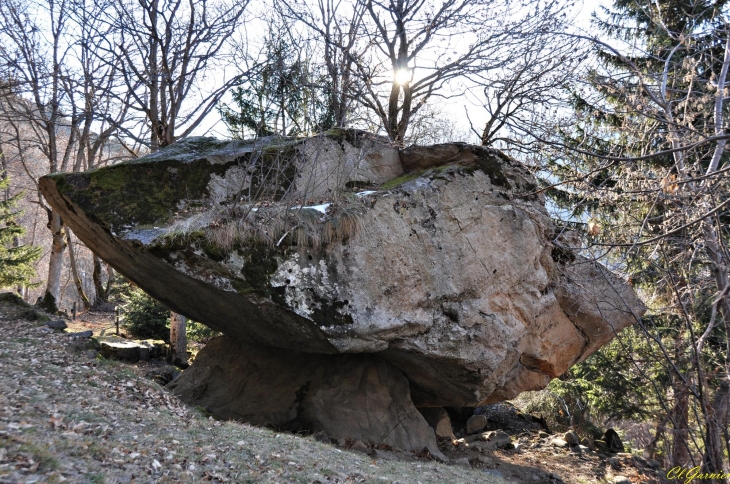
(346, 396)
(448, 273)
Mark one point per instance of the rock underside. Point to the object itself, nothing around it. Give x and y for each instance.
(428, 276)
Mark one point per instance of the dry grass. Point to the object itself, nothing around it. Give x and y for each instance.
(268, 198)
(273, 224)
(66, 417)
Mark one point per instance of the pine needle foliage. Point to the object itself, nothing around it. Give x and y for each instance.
(17, 262)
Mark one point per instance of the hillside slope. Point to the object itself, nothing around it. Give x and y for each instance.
(68, 417)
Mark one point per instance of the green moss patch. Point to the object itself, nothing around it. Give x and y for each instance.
(352, 136)
(138, 193)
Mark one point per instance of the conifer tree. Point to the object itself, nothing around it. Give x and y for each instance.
(645, 180)
(284, 97)
(16, 261)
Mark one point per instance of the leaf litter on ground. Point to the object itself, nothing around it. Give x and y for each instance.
(68, 417)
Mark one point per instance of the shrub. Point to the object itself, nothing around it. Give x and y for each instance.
(199, 332)
(143, 316)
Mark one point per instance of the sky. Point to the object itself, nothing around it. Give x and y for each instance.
(453, 109)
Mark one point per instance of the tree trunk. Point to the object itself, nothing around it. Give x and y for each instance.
(55, 265)
(178, 340)
(109, 281)
(101, 292)
(680, 420)
(75, 271)
(717, 420)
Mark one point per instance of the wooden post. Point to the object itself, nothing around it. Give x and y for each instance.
(178, 340)
(116, 318)
(73, 312)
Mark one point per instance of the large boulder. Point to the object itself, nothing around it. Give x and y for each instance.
(450, 272)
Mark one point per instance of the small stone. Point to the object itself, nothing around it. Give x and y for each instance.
(472, 438)
(82, 334)
(621, 480)
(576, 449)
(462, 461)
(384, 455)
(571, 438)
(56, 324)
(482, 446)
(92, 354)
(500, 438)
(518, 447)
(359, 446)
(614, 462)
(559, 443)
(588, 443)
(475, 424)
(583, 448)
(341, 442)
(543, 435)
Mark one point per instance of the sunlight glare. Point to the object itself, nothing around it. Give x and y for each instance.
(402, 76)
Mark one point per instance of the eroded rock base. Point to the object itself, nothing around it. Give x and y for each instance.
(358, 397)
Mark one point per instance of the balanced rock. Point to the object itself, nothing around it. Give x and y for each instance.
(445, 267)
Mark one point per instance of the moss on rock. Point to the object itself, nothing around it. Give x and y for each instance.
(137, 193)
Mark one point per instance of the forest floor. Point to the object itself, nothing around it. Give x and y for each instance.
(68, 415)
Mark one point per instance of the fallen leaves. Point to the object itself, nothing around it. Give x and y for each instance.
(65, 416)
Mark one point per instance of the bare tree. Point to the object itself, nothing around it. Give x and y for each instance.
(520, 98)
(395, 55)
(56, 100)
(335, 26)
(33, 100)
(166, 50)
